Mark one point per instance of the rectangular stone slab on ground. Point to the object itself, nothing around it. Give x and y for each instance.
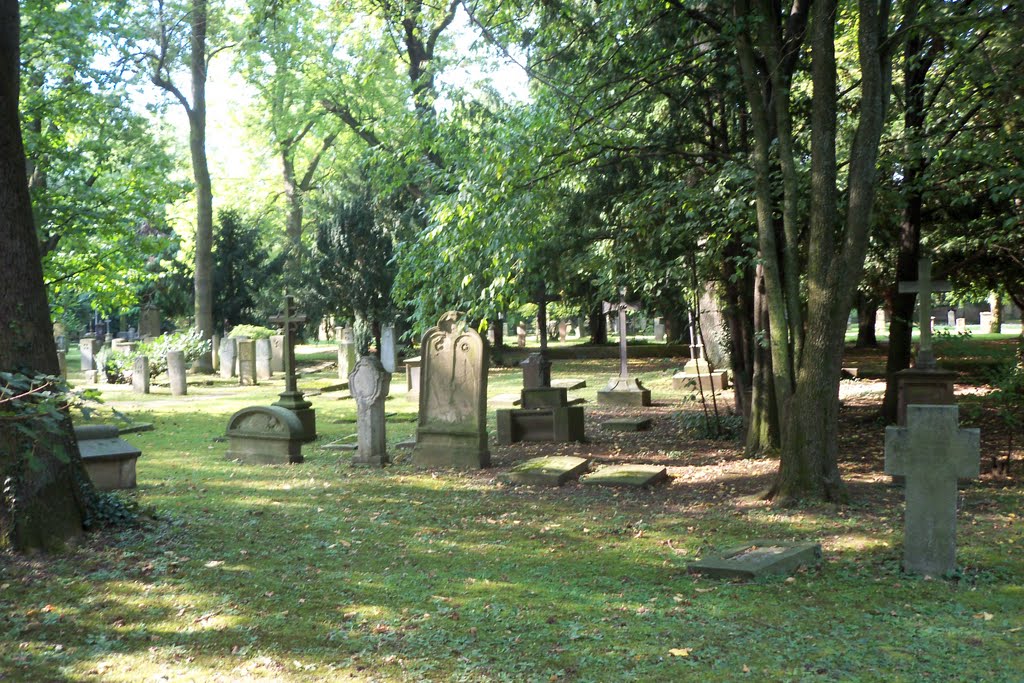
(552, 470)
(633, 476)
(758, 558)
(627, 424)
(569, 384)
(108, 459)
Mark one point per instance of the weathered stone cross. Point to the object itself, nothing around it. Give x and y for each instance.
(932, 452)
(623, 368)
(290, 320)
(924, 287)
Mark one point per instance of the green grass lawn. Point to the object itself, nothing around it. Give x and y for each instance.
(320, 571)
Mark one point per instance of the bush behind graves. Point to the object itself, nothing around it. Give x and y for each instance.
(718, 427)
(252, 332)
(190, 342)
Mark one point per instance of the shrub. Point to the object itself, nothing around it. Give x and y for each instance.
(252, 332)
(118, 365)
(701, 426)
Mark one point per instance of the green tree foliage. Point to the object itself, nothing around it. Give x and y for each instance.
(244, 274)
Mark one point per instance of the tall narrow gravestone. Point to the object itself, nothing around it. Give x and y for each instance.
(277, 353)
(931, 452)
(247, 362)
(263, 352)
(388, 348)
(140, 375)
(88, 346)
(452, 428)
(176, 373)
(346, 352)
(227, 352)
(369, 384)
(215, 352)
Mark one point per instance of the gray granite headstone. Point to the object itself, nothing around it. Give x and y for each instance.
(388, 348)
(247, 362)
(369, 383)
(228, 351)
(140, 375)
(176, 373)
(931, 452)
(346, 351)
(263, 357)
(951, 317)
(659, 330)
(452, 428)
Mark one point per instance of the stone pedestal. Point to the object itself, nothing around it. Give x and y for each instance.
(699, 373)
(536, 371)
(624, 391)
(545, 416)
(176, 373)
(922, 387)
(303, 410)
(109, 460)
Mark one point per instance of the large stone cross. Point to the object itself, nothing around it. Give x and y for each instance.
(623, 306)
(289, 319)
(924, 287)
(932, 452)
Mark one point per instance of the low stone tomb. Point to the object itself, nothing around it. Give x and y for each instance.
(265, 435)
(627, 424)
(263, 364)
(758, 558)
(552, 470)
(698, 370)
(176, 373)
(247, 362)
(109, 460)
(630, 476)
(931, 452)
(569, 384)
(140, 375)
(412, 374)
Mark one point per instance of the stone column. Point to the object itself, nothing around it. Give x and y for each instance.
(176, 373)
(227, 352)
(62, 363)
(346, 352)
(140, 375)
(215, 352)
(263, 353)
(388, 349)
(369, 384)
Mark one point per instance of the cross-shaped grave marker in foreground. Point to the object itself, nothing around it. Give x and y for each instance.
(924, 286)
(932, 452)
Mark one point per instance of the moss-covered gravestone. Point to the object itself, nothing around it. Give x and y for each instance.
(369, 383)
(265, 435)
(552, 470)
(630, 476)
(758, 558)
(452, 427)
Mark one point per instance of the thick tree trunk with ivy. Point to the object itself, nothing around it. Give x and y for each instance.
(40, 506)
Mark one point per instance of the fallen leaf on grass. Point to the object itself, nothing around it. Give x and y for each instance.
(679, 652)
(983, 615)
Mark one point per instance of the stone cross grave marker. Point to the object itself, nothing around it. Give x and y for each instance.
(369, 384)
(924, 286)
(291, 398)
(452, 426)
(931, 452)
(623, 390)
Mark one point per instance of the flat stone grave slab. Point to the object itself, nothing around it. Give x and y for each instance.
(109, 460)
(137, 427)
(408, 443)
(627, 424)
(344, 444)
(505, 398)
(569, 384)
(552, 470)
(758, 558)
(632, 476)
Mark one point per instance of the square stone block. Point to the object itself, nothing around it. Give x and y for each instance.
(716, 380)
(552, 470)
(569, 384)
(631, 476)
(624, 398)
(545, 397)
(628, 424)
(560, 425)
(758, 558)
(108, 459)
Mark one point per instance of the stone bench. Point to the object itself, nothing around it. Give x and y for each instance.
(109, 460)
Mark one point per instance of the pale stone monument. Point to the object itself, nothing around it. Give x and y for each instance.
(951, 318)
(520, 336)
(215, 352)
(346, 351)
(388, 348)
(176, 373)
(247, 362)
(263, 354)
(291, 398)
(623, 390)
(277, 353)
(140, 375)
(149, 322)
(412, 374)
(265, 435)
(659, 330)
(931, 452)
(227, 352)
(109, 460)
(369, 384)
(452, 427)
(698, 373)
(961, 325)
(89, 347)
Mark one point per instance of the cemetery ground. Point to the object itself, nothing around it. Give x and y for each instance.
(322, 571)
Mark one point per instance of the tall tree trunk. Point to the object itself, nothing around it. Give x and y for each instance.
(995, 301)
(293, 218)
(867, 315)
(598, 326)
(762, 423)
(204, 188)
(40, 506)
